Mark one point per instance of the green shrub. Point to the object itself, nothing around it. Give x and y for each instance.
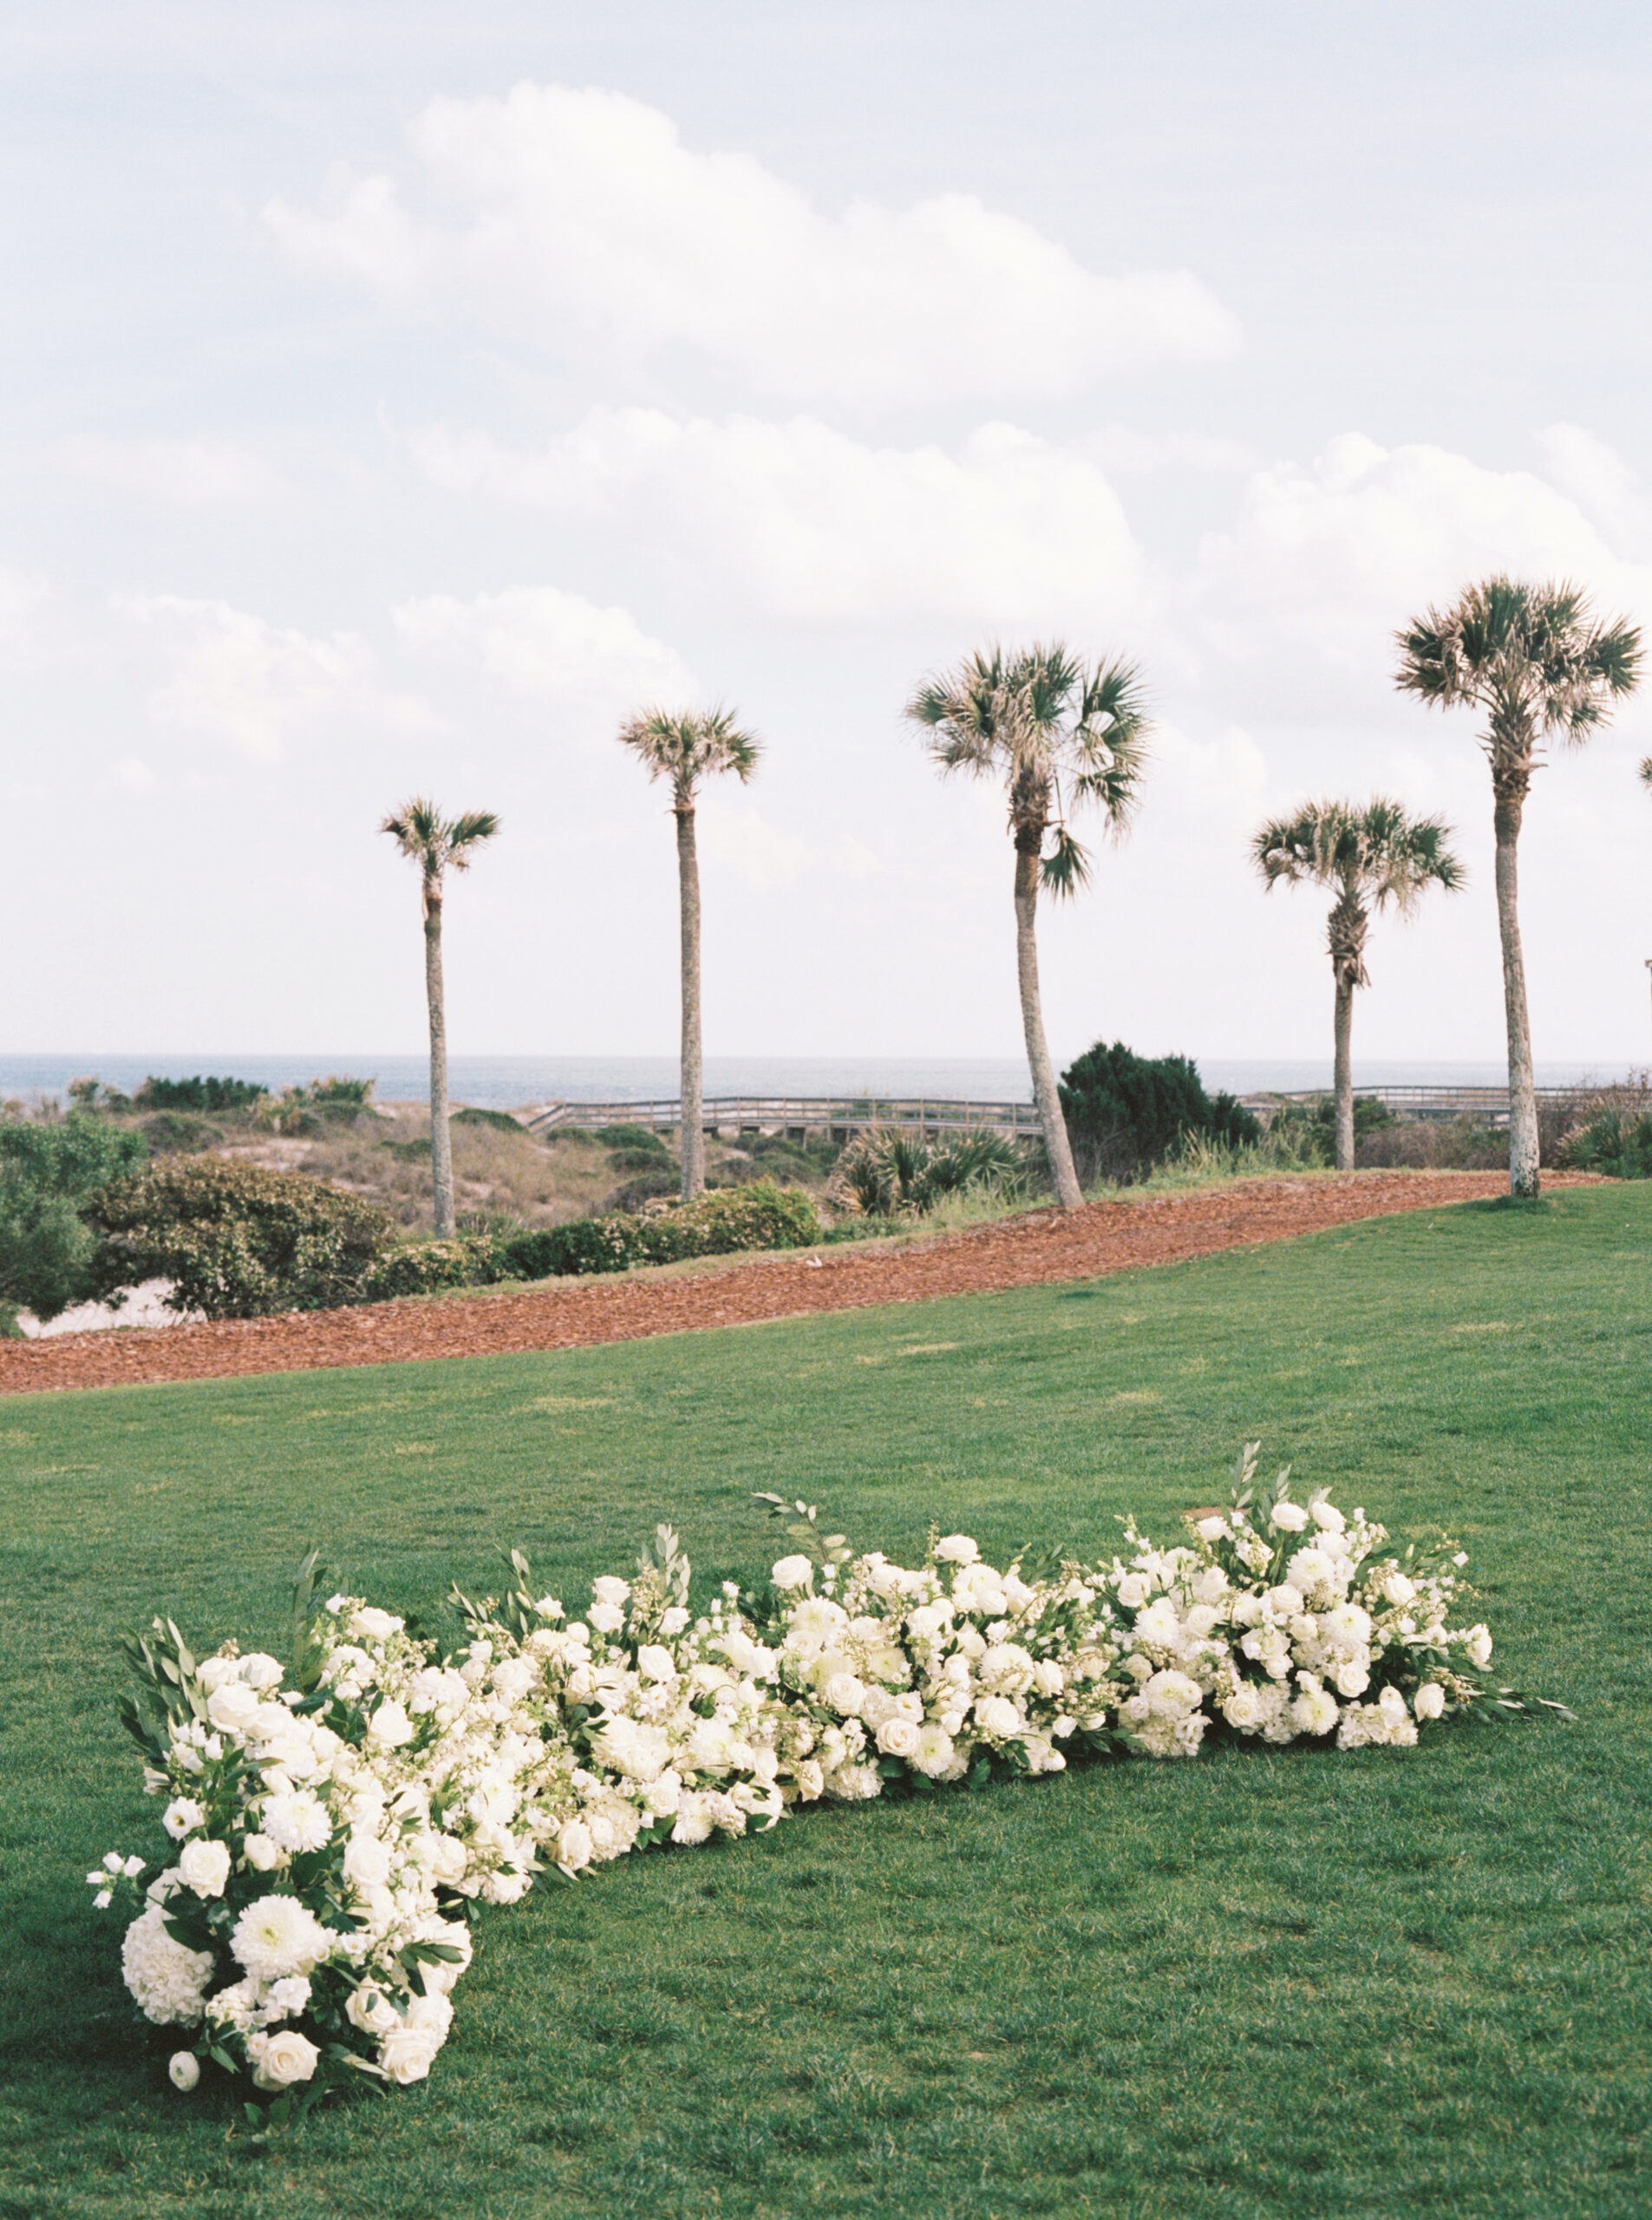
(756, 1215)
(648, 1188)
(47, 1172)
(1614, 1141)
(640, 1159)
(1126, 1113)
(642, 1139)
(178, 1133)
(236, 1241)
(894, 1171)
(199, 1094)
(500, 1120)
(425, 1267)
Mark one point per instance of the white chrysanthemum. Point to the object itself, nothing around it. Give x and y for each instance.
(167, 1979)
(278, 1935)
(298, 1820)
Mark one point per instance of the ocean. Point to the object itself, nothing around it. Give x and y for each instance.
(514, 1082)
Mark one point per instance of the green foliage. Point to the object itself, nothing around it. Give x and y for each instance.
(500, 1120)
(1126, 1113)
(1275, 1986)
(47, 1172)
(757, 1215)
(894, 1171)
(1614, 1141)
(427, 1267)
(237, 1242)
(199, 1094)
(640, 1141)
(178, 1133)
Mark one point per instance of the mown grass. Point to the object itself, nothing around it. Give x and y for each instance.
(1274, 1984)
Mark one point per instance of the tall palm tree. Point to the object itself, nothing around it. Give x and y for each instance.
(685, 748)
(1369, 858)
(438, 845)
(1042, 722)
(1541, 666)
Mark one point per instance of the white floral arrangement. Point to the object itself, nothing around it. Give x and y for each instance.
(331, 1826)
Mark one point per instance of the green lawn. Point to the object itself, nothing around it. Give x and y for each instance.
(1266, 1984)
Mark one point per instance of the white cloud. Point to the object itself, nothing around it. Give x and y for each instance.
(260, 686)
(193, 471)
(137, 778)
(741, 839)
(1601, 483)
(578, 219)
(1010, 530)
(1299, 602)
(1226, 777)
(542, 642)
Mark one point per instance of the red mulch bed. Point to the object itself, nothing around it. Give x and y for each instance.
(1030, 1250)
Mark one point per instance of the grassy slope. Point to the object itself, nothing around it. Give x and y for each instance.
(1266, 1983)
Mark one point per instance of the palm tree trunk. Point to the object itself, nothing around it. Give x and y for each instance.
(694, 1131)
(1342, 1073)
(441, 1145)
(1045, 1094)
(1524, 1176)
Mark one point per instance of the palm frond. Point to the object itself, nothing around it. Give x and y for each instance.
(435, 843)
(686, 746)
(1066, 868)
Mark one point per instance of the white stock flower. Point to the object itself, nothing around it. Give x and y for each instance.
(204, 1866)
(793, 1572)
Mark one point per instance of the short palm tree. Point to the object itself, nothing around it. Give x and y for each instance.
(1541, 666)
(438, 845)
(684, 749)
(1369, 857)
(1059, 735)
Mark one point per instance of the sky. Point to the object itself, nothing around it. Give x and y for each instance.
(397, 397)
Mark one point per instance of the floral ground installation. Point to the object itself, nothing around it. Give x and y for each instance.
(332, 1825)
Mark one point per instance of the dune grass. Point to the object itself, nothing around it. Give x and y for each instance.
(1266, 1983)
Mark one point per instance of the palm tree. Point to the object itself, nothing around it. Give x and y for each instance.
(438, 845)
(685, 748)
(1369, 857)
(1536, 660)
(1036, 719)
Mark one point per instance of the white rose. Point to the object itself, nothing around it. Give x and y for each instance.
(1285, 1601)
(573, 1845)
(448, 1859)
(391, 1727)
(367, 1861)
(1211, 1530)
(1289, 1517)
(1134, 1591)
(408, 2053)
(204, 1866)
(1047, 1677)
(370, 2010)
(1429, 1701)
(845, 1694)
(656, 1663)
(283, 2059)
(261, 1854)
(793, 1572)
(1351, 1680)
(185, 2069)
(1399, 1589)
(674, 1620)
(1242, 1709)
(957, 1548)
(1328, 1517)
(898, 1738)
(997, 1715)
(369, 1625)
(232, 1706)
(607, 1618)
(610, 1590)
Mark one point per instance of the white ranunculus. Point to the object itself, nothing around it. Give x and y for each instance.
(277, 1935)
(654, 1663)
(181, 1817)
(204, 1866)
(957, 1548)
(370, 1625)
(184, 2069)
(1429, 1701)
(898, 1738)
(1289, 1517)
(608, 1589)
(367, 1861)
(1173, 1696)
(793, 1572)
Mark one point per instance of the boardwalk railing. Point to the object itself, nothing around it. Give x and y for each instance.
(1427, 1104)
(828, 1115)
